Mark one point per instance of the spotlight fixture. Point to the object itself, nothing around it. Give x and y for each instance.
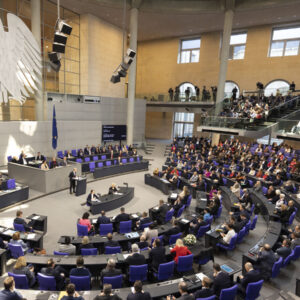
(121, 72)
(57, 47)
(64, 27)
(115, 78)
(131, 53)
(60, 38)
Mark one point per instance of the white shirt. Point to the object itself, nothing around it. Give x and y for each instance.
(228, 236)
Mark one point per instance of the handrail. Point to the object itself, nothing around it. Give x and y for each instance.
(283, 104)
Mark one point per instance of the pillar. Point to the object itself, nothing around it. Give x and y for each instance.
(133, 28)
(224, 58)
(36, 31)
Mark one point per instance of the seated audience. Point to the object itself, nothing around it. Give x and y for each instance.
(135, 258)
(86, 222)
(122, 217)
(80, 270)
(107, 294)
(175, 229)
(71, 293)
(16, 240)
(110, 270)
(150, 233)
(21, 268)
(142, 243)
(163, 208)
(110, 242)
(157, 255)
(180, 250)
(9, 292)
(285, 250)
(85, 244)
(20, 220)
(221, 280)
(103, 219)
(138, 293)
(194, 226)
(39, 156)
(226, 238)
(57, 271)
(143, 220)
(183, 291)
(265, 260)
(206, 290)
(67, 247)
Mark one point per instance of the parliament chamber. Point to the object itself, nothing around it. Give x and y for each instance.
(150, 149)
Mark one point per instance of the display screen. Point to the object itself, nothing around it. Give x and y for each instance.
(112, 133)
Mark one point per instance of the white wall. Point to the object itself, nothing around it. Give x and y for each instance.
(34, 136)
(111, 111)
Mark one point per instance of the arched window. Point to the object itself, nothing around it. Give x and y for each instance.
(182, 89)
(229, 86)
(272, 87)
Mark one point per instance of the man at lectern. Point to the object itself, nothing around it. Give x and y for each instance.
(72, 178)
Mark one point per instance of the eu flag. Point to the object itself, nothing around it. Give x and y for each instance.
(54, 130)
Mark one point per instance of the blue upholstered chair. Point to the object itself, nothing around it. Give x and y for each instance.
(103, 157)
(11, 184)
(82, 230)
(229, 294)
(138, 273)
(202, 230)
(174, 237)
(21, 280)
(180, 211)
(125, 227)
(169, 215)
(296, 253)
(276, 267)
(185, 263)
(288, 259)
(253, 289)
(231, 245)
(104, 229)
(60, 253)
(87, 159)
(108, 163)
(19, 227)
(189, 201)
(15, 250)
(143, 226)
(46, 283)
(82, 283)
(100, 164)
(95, 158)
(89, 251)
(165, 271)
(115, 281)
(124, 160)
(253, 223)
(112, 250)
(92, 166)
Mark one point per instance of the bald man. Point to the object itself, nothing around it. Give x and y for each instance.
(251, 276)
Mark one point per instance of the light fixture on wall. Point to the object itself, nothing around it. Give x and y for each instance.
(62, 30)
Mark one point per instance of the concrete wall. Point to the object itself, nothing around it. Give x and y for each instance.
(33, 136)
(111, 111)
(100, 54)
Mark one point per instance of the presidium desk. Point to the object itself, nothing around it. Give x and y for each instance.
(113, 201)
(44, 181)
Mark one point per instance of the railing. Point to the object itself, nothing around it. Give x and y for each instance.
(291, 127)
(292, 103)
(156, 97)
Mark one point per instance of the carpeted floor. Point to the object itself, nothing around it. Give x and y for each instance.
(64, 209)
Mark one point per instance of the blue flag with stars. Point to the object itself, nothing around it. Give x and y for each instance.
(54, 130)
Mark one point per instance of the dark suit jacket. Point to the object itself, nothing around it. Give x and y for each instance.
(110, 273)
(84, 246)
(71, 298)
(139, 296)
(145, 220)
(143, 245)
(163, 210)
(122, 217)
(103, 220)
(41, 157)
(80, 272)
(9, 295)
(112, 190)
(71, 175)
(157, 256)
(284, 252)
(22, 222)
(111, 243)
(136, 259)
(186, 297)
(203, 293)
(89, 198)
(252, 276)
(221, 281)
(265, 262)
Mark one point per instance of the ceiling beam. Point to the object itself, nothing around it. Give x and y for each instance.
(262, 4)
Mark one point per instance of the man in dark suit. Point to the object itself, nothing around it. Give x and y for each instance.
(138, 293)
(122, 217)
(183, 290)
(91, 197)
(110, 242)
(9, 292)
(103, 219)
(72, 177)
(265, 261)
(173, 230)
(143, 220)
(110, 270)
(23, 159)
(162, 211)
(80, 270)
(135, 259)
(194, 227)
(206, 290)
(87, 150)
(221, 280)
(157, 255)
(93, 149)
(251, 276)
(39, 156)
(285, 250)
(19, 220)
(56, 271)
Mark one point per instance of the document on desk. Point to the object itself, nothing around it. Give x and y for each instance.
(185, 221)
(94, 221)
(164, 180)
(9, 232)
(135, 216)
(200, 276)
(31, 236)
(35, 217)
(126, 255)
(174, 196)
(117, 193)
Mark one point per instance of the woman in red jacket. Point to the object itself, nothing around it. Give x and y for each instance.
(85, 221)
(180, 250)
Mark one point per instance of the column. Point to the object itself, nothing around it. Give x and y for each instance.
(133, 28)
(224, 58)
(36, 31)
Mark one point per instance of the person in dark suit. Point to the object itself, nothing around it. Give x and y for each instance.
(183, 290)
(107, 294)
(93, 149)
(221, 280)
(251, 276)
(157, 255)
(265, 261)
(162, 211)
(110, 270)
(39, 156)
(91, 197)
(56, 271)
(80, 270)
(285, 250)
(112, 189)
(135, 259)
(103, 219)
(122, 217)
(72, 177)
(87, 150)
(9, 292)
(71, 293)
(19, 220)
(194, 227)
(138, 293)
(173, 230)
(142, 243)
(143, 220)
(110, 242)
(206, 290)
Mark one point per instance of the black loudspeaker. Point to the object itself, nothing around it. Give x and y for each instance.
(54, 56)
(60, 38)
(122, 72)
(131, 53)
(115, 79)
(297, 292)
(64, 27)
(60, 48)
(55, 65)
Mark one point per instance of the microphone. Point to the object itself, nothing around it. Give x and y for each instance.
(126, 184)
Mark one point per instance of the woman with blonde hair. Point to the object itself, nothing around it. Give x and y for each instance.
(21, 268)
(85, 244)
(180, 250)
